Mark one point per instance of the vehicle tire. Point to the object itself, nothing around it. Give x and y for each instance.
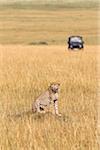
(68, 47)
(71, 47)
(80, 46)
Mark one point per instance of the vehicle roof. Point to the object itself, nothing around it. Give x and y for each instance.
(75, 36)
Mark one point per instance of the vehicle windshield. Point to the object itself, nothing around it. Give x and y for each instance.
(75, 39)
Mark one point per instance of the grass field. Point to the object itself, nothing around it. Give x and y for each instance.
(26, 71)
(27, 68)
(27, 26)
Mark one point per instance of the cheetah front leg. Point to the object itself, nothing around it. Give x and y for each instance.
(56, 108)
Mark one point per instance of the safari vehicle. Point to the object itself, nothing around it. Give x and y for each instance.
(75, 42)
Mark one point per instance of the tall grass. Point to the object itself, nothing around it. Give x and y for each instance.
(27, 71)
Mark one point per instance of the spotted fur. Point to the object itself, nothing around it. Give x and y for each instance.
(50, 96)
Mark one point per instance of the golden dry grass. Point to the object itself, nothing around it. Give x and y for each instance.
(25, 72)
(24, 26)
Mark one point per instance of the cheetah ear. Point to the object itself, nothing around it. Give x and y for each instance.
(58, 84)
(50, 85)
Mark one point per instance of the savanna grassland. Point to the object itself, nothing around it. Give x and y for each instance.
(27, 69)
(31, 26)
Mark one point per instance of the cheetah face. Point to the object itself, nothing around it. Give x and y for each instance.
(55, 87)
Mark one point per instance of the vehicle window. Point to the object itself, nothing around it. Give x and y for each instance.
(75, 39)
